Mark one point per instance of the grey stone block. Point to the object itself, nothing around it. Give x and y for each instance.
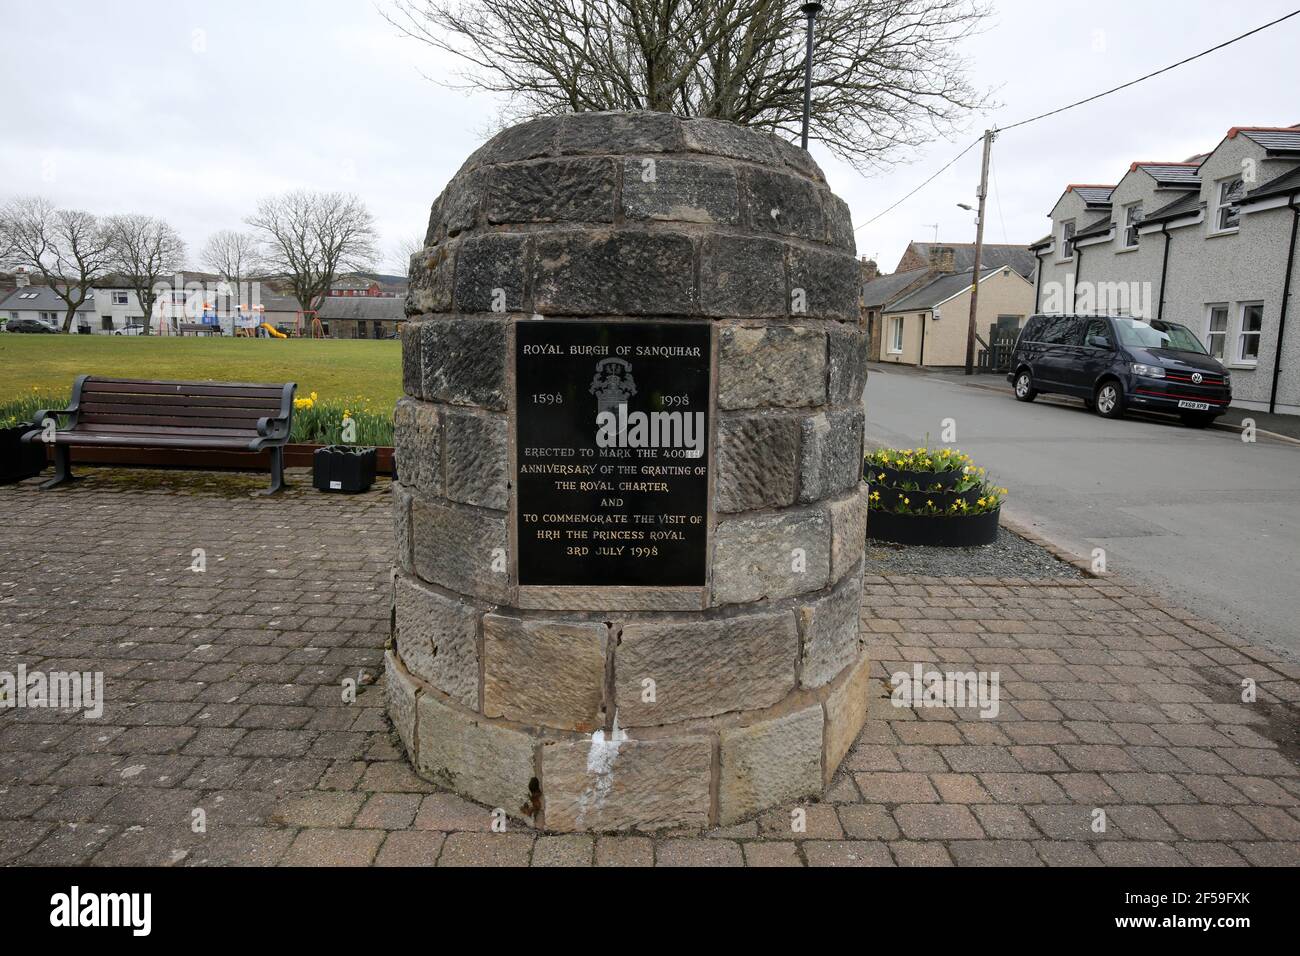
(462, 202)
(846, 712)
(797, 158)
(721, 138)
(524, 141)
(782, 203)
(437, 639)
(758, 462)
(770, 556)
(680, 190)
(461, 548)
(848, 530)
(478, 462)
(639, 132)
(430, 283)
(417, 445)
(544, 672)
(743, 276)
(400, 693)
(463, 362)
(847, 354)
(829, 280)
(411, 372)
(769, 763)
(553, 190)
(772, 367)
(703, 668)
(839, 222)
(830, 633)
(641, 784)
(436, 230)
(402, 526)
(830, 457)
(474, 757)
(492, 273)
(627, 272)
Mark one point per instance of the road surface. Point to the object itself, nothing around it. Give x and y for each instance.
(1211, 521)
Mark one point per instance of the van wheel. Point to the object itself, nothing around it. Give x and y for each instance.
(1109, 400)
(1024, 387)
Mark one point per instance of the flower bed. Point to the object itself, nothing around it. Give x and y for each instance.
(930, 496)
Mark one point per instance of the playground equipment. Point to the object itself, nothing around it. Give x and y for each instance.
(272, 331)
(317, 331)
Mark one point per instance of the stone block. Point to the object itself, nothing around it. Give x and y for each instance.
(462, 201)
(437, 639)
(411, 372)
(830, 633)
(492, 273)
(839, 222)
(400, 692)
(769, 763)
(473, 756)
(680, 190)
(829, 280)
(773, 367)
(848, 531)
(544, 672)
(402, 526)
(796, 158)
(743, 277)
(613, 272)
(478, 462)
(758, 462)
(770, 556)
(525, 141)
(783, 204)
(702, 668)
(553, 190)
(846, 712)
(461, 548)
(463, 362)
(436, 230)
(638, 132)
(830, 457)
(417, 445)
(430, 283)
(721, 138)
(625, 784)
(846, 353)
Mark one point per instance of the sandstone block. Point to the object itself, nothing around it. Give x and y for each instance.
(758, 462)
(461, 548)
(743, 276)
(402, 526)
(463, 362)
(639, 132)
(783, 204)
(544, 672)
(830, 633)
(411, 372)
(721, 138)
(770, 555)
(769, 763)
(492, 273)
(847, 357)
(473, 756)
(437, 638)
(525, 141)
(774, 367)
(846, 712)
(848, 531)
(400, 692)
(417, 444)
(553, 190)
(680, 190)
(430, 283)
(829, 280)
(830, 458)
(478, 463)
(626, 272)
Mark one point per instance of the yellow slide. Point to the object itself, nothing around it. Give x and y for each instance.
(276, 333)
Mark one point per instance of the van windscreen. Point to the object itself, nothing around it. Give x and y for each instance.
(1157, 335)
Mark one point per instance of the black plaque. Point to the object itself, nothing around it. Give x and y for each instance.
(612, 452)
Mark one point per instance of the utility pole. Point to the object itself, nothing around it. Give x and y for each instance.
(979, 248)
(809, 10)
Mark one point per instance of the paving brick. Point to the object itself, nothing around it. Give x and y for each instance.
(672, 852)
(847, 853)
(921, 821)
(486, 849)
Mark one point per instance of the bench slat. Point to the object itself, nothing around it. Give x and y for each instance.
(96, 411)
(134, 429)
(240, 423)
(180, 388)
(151, 440)
(180, 401)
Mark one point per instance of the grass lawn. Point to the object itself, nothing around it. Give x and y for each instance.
(336, 369)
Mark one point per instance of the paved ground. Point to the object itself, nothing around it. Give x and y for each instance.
(1208, 520)
(224, 695)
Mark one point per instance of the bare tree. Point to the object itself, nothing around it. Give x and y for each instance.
(235, 256)
(145, 250)
(402, 251)
(312, 236)
(71, 249)
(887, 74)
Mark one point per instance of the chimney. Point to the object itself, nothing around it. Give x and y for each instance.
(21, 279)
(943, 259)
(869, 269)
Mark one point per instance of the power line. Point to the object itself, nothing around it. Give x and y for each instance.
(1097, 96)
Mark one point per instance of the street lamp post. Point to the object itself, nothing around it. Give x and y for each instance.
(809, 10)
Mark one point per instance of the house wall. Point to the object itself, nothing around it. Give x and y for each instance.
(1054, 269)
(1005, 293)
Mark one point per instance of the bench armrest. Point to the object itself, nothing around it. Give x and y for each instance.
(273, 427)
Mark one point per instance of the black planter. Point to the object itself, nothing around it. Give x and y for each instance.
(890, 497)
(345, 468)
(926, 479)
(958, 531)
(19, 460)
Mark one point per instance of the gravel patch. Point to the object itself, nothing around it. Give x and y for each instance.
(1010, 556)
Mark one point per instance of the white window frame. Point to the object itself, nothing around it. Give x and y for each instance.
(1131, 223)
(1210, 309)
(896, 336)
(123, 300)
(1242, 334)
(1220, 206)
(1067, 243)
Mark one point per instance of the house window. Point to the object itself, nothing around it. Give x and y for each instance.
(1216, 331)
(1067, 240)
(1252, 320)
(896, 340)
(1132, 217)
(1228, 211)
(119, 298)
(29, 295)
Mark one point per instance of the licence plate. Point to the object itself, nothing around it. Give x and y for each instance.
(1197, 406)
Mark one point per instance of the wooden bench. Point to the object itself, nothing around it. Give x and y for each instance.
(198, 328)
(135, 413)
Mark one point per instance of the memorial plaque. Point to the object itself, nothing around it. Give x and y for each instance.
(612, 452)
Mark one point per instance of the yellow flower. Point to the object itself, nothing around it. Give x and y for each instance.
(907, 501)
(313, 396)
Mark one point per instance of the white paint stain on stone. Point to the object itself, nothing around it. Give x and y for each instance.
(600, 765)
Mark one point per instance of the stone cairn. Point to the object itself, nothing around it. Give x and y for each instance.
(542, 710)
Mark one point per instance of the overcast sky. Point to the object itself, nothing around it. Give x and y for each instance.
(192, 110)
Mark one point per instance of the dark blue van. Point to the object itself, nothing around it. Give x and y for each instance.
(1116, 363)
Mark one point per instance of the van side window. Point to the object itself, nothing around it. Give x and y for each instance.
(1097, 328)
(1062, 330)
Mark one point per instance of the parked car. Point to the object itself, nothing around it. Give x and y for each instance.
(27, 325)
(1116, 363)
(131, 328)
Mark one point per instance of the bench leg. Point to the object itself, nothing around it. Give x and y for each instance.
(62, 467)
(277, 471)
